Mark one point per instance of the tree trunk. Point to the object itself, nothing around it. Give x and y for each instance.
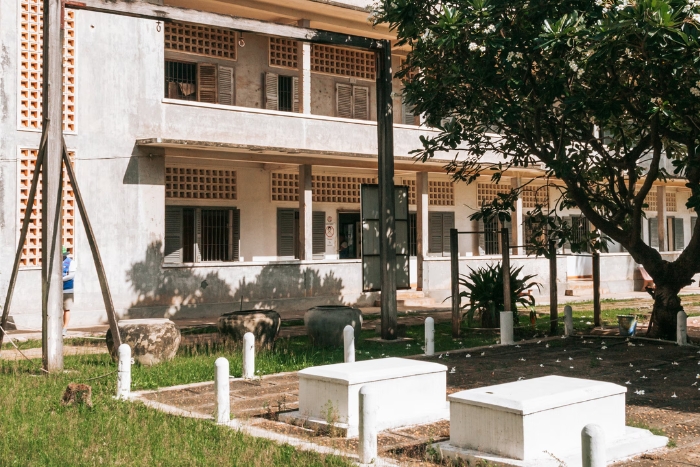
(667, 304)
(490, 317)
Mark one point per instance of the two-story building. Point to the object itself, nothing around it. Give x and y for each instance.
(194, 143)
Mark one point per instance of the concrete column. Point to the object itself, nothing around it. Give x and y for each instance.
(248, 355)
(568, 321)
(367, 440)
(349, 343)
(475, 238)
(221, 383)
(124, 372)
(507, 328)
(682, 328)
(429, 336)
(305, 78)
(593, 446)
(306, 246)
(661, 216)
(517, 220)
(422, 202)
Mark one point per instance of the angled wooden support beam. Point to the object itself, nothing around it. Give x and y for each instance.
(97, 258)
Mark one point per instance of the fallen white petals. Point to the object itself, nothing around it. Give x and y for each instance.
(603, 347)
(674, 395)
(541, 365)
(639, 392)
(453, 370)
(483, 353)
(468, 355)
(628, 382)
(674, 363)
(521, 359)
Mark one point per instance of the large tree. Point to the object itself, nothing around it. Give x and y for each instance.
(603, 95)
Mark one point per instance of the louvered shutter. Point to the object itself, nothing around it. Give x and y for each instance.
(198, 235)
(285, 233)
(448, 222)
(435, 232)
(235, 235)
(206, 83)
(271, 93)
(360, 102)
(407, 113)
(318, 232)
(678, 234)
(295, 94)
(173, 235)
(482, 237)
(226, 85)
(343, 100)
(653, 232)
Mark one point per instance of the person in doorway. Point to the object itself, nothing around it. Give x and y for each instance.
(69, 269)
(343, 252)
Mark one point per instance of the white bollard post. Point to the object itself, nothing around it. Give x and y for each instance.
(248, 355)
(221, 382)
(682, 328)
(568, 321)
(367, 441)
(507, 328)
(593, 446)
(349, 343)
(429, 336)
(124, 372)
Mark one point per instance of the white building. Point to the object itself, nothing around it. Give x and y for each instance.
(192, 143)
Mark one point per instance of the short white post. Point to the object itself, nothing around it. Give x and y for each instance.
(221, 382)
(593, 446)
(429, 336)
(367, 442)
(568, 321)
(248, 355)
(124, 372)
(507, 328)
(349, 343)
(682, 328)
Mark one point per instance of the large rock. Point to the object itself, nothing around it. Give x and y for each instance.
(325, 324)
(264, 324)
(151, 340)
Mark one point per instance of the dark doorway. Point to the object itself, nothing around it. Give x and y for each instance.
(349, 233)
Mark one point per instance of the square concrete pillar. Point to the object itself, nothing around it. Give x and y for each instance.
(306, 246)
(475, 238)
(517, 221)
(422, 202)
(305, 78)
(661, 216)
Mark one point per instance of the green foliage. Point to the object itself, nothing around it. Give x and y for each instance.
(484, 292)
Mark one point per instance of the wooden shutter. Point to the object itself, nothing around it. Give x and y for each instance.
(678, 234)
(173, 235)
(271, 94)
(295, 94)
(235, 235)
(226, 85)
(318, 235)
(408, 118)
(343, 100)
(448, 222)
(360, 102)
(198, 235)
(482, 236)
(206, 83)
(285, 233)
(435, 237)
(653, 232)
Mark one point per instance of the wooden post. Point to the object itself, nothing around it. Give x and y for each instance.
(306, 245)
(596, 289)
(454, 280)
(96, 257)
(52, 188)
(385, 139)
(505, 252)
(553, 305)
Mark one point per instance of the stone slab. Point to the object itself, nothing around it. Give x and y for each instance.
(412, 392)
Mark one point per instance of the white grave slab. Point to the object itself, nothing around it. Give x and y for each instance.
(533, 421)
(411, 392)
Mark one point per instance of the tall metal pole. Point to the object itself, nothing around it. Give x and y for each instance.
(385, 139)
(51, 260)
(454, 281)
(553, 305)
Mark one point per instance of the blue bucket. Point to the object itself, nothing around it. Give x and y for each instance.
(627, 324)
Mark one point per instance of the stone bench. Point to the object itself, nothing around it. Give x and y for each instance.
(412, 392)
(532, 421)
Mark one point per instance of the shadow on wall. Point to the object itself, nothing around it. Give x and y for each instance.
(184, 292)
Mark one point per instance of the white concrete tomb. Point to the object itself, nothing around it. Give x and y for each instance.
(410, 392)
(532, 421)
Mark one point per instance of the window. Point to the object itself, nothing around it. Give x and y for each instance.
(352, 101)
(281, 92)
(653, 232)
(579, 229)
(201, 234)
(327, 188)
(439, 225)
(202, 82)
(490, 238)
(677, 236)
(288, 233)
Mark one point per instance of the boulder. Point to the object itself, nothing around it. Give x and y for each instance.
(325, 324)
(264, 324)
(151, 340)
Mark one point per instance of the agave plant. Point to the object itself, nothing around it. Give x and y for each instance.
(484, 293)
